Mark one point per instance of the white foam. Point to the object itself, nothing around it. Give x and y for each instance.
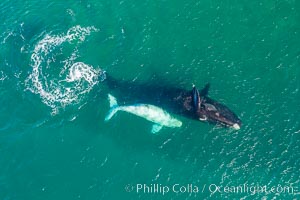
(75, 78)
(81, 71)
(2, 76)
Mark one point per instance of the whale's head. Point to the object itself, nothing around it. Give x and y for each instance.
(173, 122)
(217, 113)
(207, 109)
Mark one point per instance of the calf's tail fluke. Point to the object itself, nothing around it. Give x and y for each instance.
(113, 107)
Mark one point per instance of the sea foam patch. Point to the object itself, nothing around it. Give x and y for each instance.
(57, 79)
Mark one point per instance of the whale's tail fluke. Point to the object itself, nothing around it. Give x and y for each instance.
(112, 101)
(102, 75)
(113, 107)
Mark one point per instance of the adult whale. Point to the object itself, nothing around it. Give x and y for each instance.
(193, 104)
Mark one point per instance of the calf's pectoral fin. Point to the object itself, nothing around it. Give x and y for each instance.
(156, 128)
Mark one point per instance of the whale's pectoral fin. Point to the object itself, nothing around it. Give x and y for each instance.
(204, 91)
(156, 128)
(196, 98)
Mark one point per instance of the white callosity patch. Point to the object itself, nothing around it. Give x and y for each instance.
(74, 78)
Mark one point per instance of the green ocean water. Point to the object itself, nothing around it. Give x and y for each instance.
(54, 143)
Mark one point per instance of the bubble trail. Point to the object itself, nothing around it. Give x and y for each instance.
(75, 79)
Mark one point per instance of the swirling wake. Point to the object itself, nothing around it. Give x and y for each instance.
(61, 82)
